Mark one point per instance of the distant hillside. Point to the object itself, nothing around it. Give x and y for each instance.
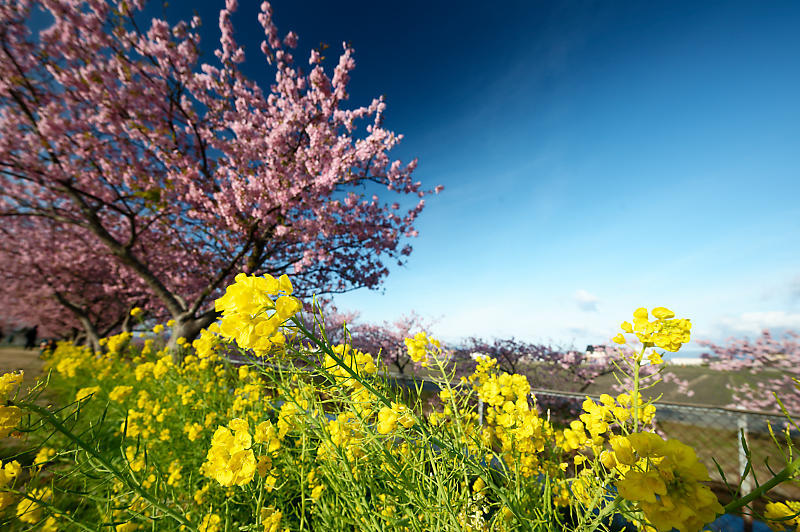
(709, 386)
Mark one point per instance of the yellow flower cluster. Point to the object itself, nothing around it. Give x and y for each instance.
(10, 416)
(420, 346)
(117, 343)
(193, 431)
(271, 519)
(663, 478)
(483, 371)
(497, 390)
(230, 459)
(30, 511)
(598, 419)
(267, 434)
(665, 331)
(517, 430)
(345, 434)
(291, 413)
(781, 515)
(9, 382)
(43, 456)
(251, 317)
(119, 393)
(8, 474)
(210, 523)
(388, 418)
(205, 345)
(83, 393)
(361, 363)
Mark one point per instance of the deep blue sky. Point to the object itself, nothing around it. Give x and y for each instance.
(596, 157)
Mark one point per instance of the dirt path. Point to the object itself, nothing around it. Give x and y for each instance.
(17, 358)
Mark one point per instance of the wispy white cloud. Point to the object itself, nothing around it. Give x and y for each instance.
(794, 290)
(586, 301)
(755, 322)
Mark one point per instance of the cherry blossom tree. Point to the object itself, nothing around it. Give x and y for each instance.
(336, 323)
(388, 340)
(188, 173)
(546, 366)
(52, 279)
(774, 359)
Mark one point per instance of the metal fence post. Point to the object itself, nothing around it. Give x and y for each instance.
(480, 412)
(747, 482)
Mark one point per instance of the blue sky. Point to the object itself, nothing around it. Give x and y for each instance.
(596, 157)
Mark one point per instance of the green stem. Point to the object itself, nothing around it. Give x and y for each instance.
(53, 420)
(607, 509)
(328, 351)
(53, 509)
(635, 398)
(791, 469)
(418, 426)
(260, 499)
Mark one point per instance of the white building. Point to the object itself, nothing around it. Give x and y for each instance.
(687, 361)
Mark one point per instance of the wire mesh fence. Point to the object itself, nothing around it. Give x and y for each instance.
(714, 433)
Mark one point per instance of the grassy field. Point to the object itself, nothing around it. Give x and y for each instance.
(723, 446)
(710, 387)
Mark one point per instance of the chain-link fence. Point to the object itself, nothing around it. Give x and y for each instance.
(714, 433)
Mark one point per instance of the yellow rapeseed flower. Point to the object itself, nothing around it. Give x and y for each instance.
(787, 513)
(83, 393)
(664, 481)
(120, 392)
(9, 382)
(230, 460)
(43, 456)
(10, 416)
(251, 317)
(30, 511)
(271, 519)
(210, 523)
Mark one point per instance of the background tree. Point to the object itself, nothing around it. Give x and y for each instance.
(776, 360)
(388, 340)
(546, 366)
(334, 320)
(52, 279)
(188, 173)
